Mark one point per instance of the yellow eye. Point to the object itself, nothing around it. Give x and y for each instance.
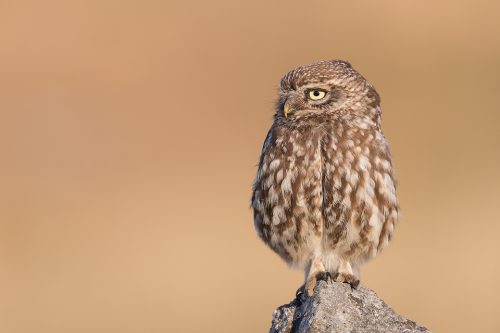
(316, 94)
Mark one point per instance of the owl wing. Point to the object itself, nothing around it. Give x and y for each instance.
(257, 192)
(265, 146)
(268, 140)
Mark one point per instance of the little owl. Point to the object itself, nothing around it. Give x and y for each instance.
(324, 198)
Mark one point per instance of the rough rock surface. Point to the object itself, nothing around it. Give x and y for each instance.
(335, 307)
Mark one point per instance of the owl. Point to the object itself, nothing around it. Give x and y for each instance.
(324, 198)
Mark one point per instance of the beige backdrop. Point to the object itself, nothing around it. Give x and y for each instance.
(130, 133)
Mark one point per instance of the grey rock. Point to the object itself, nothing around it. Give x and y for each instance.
(335, 307)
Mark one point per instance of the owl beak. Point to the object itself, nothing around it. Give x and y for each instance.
(287, 110)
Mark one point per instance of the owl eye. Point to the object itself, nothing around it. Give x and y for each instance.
(316, 94)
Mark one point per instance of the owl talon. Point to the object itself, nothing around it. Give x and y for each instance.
(324, 276)
(300, 292)
(348, 278)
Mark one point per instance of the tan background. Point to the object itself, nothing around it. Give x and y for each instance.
(130, 131)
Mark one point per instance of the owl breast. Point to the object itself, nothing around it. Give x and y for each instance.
(359, 199)
(324, 190)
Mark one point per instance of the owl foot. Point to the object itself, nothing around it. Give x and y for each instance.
(324, 276)
(312, 281)
(347, 278)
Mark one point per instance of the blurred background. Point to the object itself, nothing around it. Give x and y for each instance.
(130, 133)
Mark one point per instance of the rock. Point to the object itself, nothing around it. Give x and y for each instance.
(335, 307)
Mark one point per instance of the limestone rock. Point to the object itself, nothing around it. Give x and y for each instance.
(335, 307)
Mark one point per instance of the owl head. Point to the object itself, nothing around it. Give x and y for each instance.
(327, 89)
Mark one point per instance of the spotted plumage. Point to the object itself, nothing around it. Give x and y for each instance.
(324, 198)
